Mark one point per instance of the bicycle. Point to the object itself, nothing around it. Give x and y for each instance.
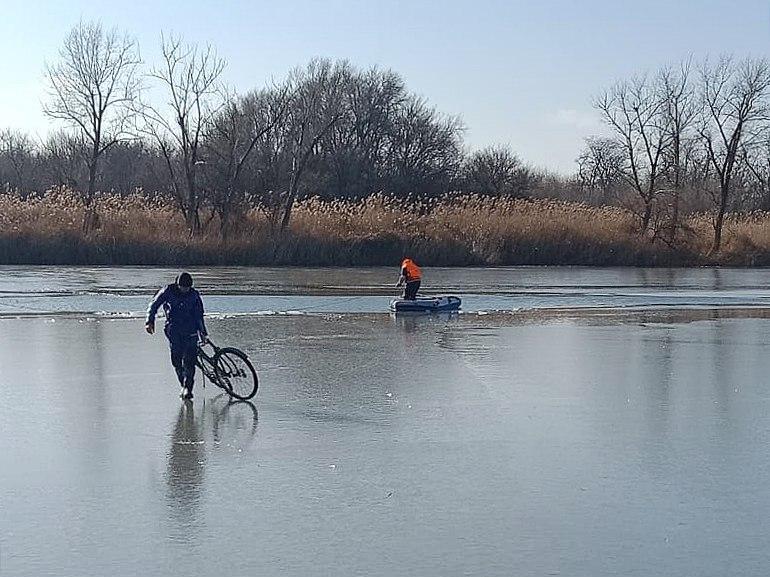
(229, 369)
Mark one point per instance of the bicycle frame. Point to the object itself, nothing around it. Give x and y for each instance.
(205, 363)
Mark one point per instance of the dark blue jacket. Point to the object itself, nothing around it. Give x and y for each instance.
(184, 311)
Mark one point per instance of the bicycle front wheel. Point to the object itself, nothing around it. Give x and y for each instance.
(234, 369)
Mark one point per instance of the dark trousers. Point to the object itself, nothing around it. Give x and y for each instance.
(410, 290)
(184, 353)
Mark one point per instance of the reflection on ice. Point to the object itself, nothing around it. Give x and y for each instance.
(215, 425)
(233, 423)
(185, 474)
(410, 322)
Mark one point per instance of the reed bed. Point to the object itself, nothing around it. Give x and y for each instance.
(455, 230)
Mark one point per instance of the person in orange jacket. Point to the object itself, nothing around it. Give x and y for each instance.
(412, 276)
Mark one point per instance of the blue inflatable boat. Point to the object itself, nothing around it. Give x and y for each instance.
(426, 304)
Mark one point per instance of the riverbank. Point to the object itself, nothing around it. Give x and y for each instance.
(455, 231)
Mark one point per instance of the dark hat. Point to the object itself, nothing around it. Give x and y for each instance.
(184, 279)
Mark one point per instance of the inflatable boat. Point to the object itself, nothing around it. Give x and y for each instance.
(426, 304)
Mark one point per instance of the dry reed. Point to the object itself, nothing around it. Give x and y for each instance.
(378, 230)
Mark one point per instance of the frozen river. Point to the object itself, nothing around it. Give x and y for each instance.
(125, 291)
(576, 422)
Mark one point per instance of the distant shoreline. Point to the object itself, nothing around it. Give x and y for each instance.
(456, 231)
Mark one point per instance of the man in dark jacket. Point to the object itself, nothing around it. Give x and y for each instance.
(184, 328)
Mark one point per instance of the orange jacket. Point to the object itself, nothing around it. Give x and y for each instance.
(410, 270)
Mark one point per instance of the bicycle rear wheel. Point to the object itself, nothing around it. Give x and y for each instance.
(234, 369)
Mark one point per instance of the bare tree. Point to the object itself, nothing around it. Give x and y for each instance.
(92, 89)
(17, 149)
(679, 114)
(353, 151)
(424, 149)
(601, 168)
(635, 112)
(318, 103)
(62, 155)
(189, 77)
(232, 140)
(734, 101)
(753, 174)
(497, 171)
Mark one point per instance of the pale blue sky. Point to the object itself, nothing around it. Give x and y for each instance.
(520, 73)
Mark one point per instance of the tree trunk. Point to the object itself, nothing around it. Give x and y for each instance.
(719, 222)
(677, 186)
(224, 221)
(293, 186)
(90, 218)
(647, 215)
(193, 221)
(675, 216)
(287, 210)
(193, 217)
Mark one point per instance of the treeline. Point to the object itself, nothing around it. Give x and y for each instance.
(328, 130)
(687, 140)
